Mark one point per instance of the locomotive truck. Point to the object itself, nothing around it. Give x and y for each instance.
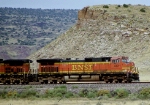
(107, 69)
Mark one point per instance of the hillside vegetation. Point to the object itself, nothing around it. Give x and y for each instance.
(106, 30)
(24, 31)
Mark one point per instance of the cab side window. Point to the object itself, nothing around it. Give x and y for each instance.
(116, 61)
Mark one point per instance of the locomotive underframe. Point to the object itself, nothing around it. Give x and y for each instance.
(118, 77)
(54, 78)
(14, 78)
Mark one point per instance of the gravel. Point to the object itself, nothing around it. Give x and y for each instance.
(133, 87)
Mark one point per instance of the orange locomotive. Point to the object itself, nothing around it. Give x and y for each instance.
(15, 71)
(1, 67)
(108, 69)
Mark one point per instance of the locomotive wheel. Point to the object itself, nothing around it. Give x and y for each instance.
(125, 81)
(64, 82)
(46, 81)
(110, 81)
(60, 82)
(55, 81)
(18, 82)
(106, 81)
(7, 82)
(129, 81)
(120, 80)
(22, 82)
(26, 82)
(116, 81)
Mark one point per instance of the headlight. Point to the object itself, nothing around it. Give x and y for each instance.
(124, 70)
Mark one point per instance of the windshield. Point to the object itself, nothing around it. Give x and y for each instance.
(125, 60)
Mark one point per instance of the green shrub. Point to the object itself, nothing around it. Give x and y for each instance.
(91, 94)
(125, 5)
(60, 91)
(121, 93)
(74, 87)
(142, 10)
(12, 94)
(56, 92)
(3, 93)
(69, 94)
(48, 93)
(119, 6)
(28, 87)
(88, 93)
(63, 86)
(5, 87)
(58, 95)
(144, 93)
(28, 93)
(104, 93)
(132, 97)
(83, 93)
(105, 6)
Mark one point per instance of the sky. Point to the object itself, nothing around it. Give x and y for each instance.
(65, 4)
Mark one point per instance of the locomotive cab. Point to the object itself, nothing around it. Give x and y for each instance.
(122, 63)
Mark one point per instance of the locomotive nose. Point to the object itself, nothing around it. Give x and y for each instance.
(132, 64)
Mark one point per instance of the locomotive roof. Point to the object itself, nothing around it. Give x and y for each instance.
(100, 59)
(91, 59)
(48, 60)
(18, 60)
(73, 60)
(1, 60)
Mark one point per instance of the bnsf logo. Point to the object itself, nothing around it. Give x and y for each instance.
(81, 67)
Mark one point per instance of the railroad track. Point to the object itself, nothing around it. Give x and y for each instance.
(38, 83)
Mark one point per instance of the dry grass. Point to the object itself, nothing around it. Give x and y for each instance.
(73, 102)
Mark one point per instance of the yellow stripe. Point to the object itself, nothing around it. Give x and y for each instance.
(104, 71)
(125, 67)
(82, 71)
(66, 72)
(83, 63)
(1, 72)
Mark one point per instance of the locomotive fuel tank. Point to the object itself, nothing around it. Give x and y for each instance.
(84, 78)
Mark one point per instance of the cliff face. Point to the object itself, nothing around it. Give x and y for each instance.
(87, 13)
(99, 31)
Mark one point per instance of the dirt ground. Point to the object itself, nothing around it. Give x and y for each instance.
(144, 75)
(74, 102)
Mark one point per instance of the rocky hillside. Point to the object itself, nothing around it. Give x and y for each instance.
(24, 31)
(105, 30)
